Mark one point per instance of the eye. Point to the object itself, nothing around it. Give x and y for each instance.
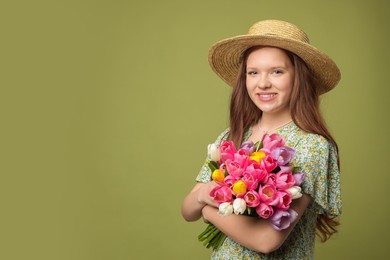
(278, 71)
(251, 72)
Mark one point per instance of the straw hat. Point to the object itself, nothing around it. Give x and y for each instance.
(225, 56)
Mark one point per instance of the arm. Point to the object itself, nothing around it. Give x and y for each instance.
(254, 233)
(196, 200)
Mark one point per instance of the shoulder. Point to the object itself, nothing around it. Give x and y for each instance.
(311, 140)
(316, 141)
(309, 145)
(300, 139)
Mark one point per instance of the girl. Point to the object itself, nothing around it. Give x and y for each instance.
(277, 78)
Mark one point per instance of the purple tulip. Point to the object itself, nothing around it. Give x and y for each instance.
(281, 219)
(298, 177)
(248, 146)
(283, 155)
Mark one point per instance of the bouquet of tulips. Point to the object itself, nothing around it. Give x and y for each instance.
(255, 180)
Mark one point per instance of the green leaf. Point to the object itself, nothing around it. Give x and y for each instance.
(258, 145)
(213, 165)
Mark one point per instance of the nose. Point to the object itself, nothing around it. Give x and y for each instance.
(263, 82)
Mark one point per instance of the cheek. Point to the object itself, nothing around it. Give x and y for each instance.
(286, 86)
(250, 92)
(250, 85)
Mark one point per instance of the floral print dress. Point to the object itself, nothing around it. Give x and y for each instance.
(317, 158)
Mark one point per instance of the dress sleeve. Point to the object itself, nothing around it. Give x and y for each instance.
(205, 172)
(322, 178)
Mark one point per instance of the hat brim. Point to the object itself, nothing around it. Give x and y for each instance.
(225, 58)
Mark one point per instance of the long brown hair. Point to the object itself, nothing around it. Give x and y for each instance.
(305, 112)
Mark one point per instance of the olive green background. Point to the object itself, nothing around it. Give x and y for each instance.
(107, 108)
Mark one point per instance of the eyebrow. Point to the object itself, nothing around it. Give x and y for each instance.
(271, 68)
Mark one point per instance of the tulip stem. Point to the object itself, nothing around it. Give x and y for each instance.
(212, 237)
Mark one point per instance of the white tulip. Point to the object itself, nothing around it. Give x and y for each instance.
(214, 153)
(239, 206)
(295, 192)
(225, 209)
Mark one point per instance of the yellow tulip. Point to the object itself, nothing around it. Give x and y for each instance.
(257, 156)
(218, 175)
(239, 187)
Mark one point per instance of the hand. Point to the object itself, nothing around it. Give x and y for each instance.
(204, 194)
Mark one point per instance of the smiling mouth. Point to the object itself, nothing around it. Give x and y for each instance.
(267, 95)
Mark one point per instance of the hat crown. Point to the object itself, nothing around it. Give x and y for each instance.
(276, 28)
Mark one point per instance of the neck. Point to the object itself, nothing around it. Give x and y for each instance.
(269, 122)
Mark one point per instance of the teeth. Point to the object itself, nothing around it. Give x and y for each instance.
(267, 95)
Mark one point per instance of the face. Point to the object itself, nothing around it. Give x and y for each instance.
(269, 80)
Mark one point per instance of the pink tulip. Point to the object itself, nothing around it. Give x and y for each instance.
(284, 180)
(268, 163)
(256, 171)
(234, 168)
(227, 150)
(271, 179)
(270, 142)
(230, 180)
(241, 157)
(265, 211)
(222, 194)
(222, 167)
(250, 181)
(268, 194)
(252, 199)
(284, 200)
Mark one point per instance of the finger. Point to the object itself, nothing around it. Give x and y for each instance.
(213, 203)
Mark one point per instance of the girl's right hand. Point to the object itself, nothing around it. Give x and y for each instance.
(197, 199)
(204, 190)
